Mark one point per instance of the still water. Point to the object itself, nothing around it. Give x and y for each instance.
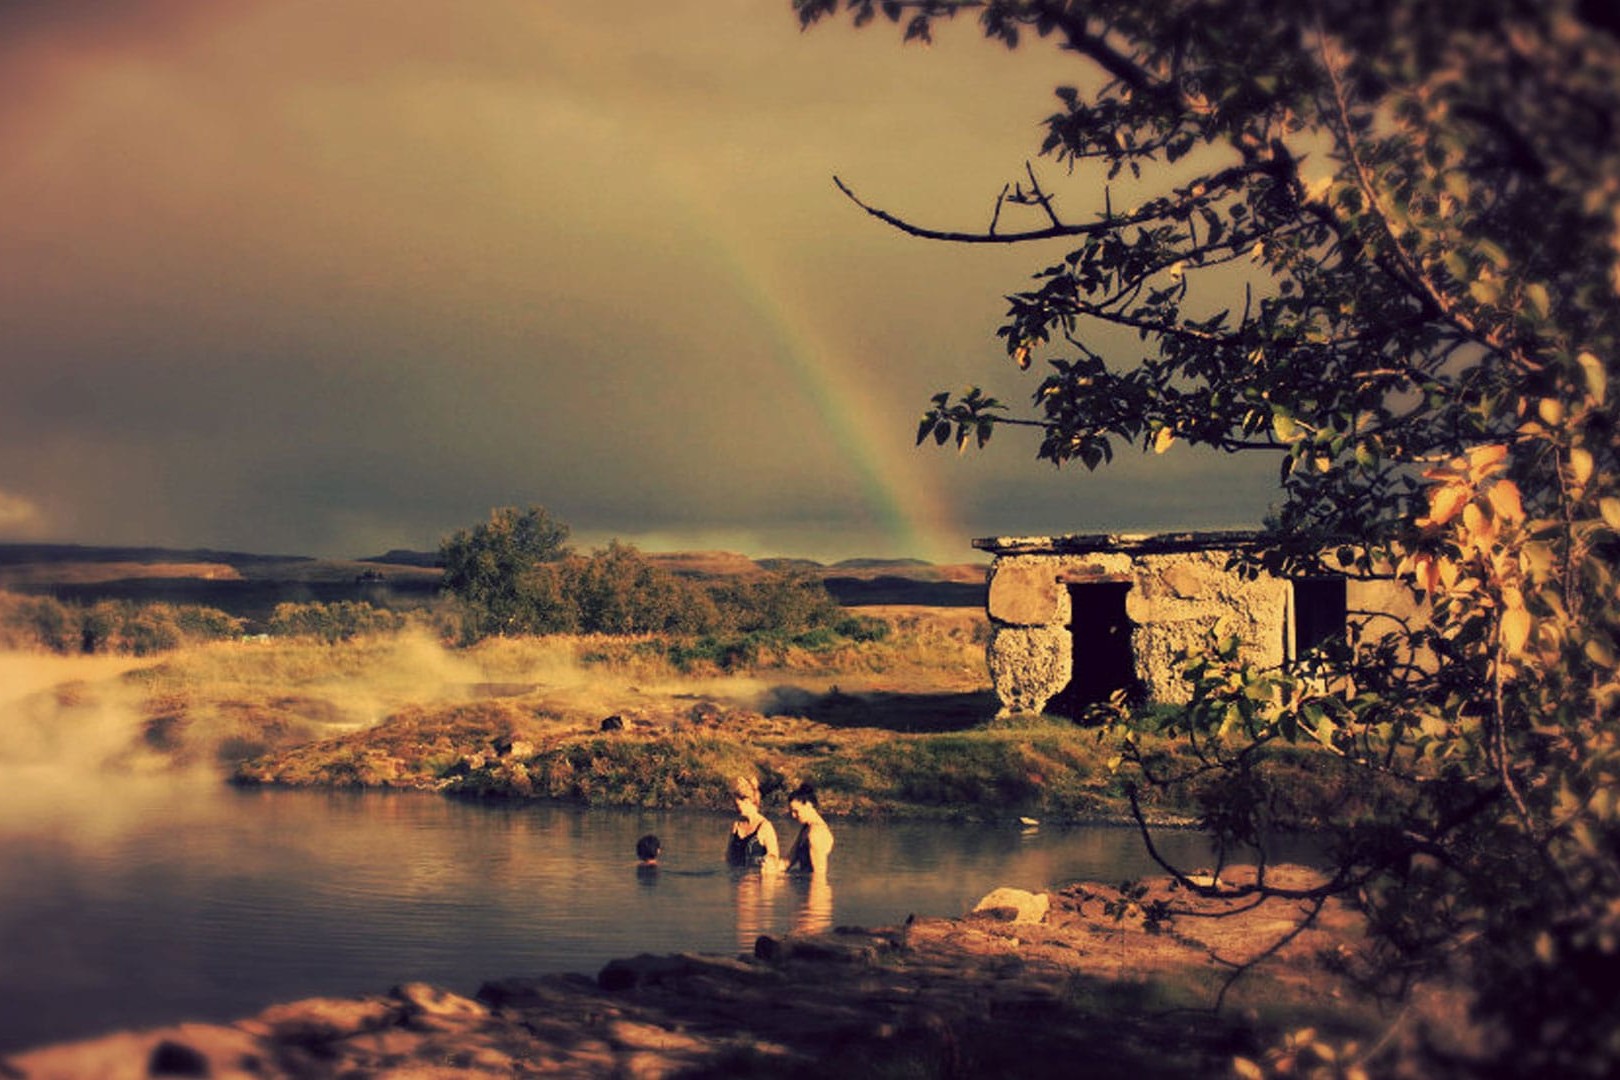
(137, 901)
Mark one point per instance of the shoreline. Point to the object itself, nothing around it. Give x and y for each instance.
(996, 992)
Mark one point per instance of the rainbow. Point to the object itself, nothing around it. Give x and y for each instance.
(901, 494)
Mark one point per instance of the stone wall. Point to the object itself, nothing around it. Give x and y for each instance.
(1173, 599)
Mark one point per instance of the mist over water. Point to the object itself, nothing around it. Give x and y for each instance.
(135, 893)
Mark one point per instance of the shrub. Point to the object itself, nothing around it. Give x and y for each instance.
(342, 621)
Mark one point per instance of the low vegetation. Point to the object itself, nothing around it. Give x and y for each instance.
(108, 626)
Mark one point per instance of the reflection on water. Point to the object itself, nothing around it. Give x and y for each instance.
(815, 914)
(756, 896)
(148, 900)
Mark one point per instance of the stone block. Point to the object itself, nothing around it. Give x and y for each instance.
(1029, 665)
(1024, 594)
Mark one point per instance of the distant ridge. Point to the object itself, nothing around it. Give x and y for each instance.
(784, 565)
(55, 553)
(251, 585)
(404, 557)
(880, 564)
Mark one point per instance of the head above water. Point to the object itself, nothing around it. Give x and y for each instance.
(804, 793)
(745, 787)
(648, 848)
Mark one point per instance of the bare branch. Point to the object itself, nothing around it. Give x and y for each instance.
(1049, 233)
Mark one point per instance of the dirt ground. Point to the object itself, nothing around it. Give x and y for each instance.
(1078, 992)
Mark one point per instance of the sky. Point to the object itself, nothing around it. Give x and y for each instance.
(332, 277)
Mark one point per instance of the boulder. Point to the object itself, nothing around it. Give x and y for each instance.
(1013, 905)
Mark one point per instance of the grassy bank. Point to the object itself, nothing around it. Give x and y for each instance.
(898, 723)
(901, 723)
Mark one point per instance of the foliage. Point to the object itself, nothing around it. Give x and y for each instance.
(495, 570)
(331, 623)
(730, 652)
(513, 576)
(108, 626)
(1379, 244)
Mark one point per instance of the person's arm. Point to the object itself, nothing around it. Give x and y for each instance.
(821, 843)
(767, 839)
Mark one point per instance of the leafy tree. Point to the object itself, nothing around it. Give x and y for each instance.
(788, 603)
(619, 591)
(495, 570)
(1380, 244)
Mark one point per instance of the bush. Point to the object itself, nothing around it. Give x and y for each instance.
(342, 621)
(108, 626)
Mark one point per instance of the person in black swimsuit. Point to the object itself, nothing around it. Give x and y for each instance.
(815, 839)
(752, 841)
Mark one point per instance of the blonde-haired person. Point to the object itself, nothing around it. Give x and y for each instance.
(752, 841)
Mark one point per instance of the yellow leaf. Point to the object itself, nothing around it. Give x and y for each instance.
(1536, 293)
(1445, 502)
(1515, 630)
(1580, 465)
(1610, 508)
(1551, 411)
(1505, 501)
(1597, 380)
(1247, 1069)
(1162, 441)
(1428, 573)
(1484, 460)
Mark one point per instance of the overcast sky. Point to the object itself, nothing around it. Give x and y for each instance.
(329, 277)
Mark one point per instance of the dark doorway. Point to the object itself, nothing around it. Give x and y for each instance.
(1103, 662)
(1320, 610)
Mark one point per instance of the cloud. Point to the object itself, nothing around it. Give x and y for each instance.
(20, 518)
(302, 277)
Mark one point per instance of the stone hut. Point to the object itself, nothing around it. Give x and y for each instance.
(1075, 618)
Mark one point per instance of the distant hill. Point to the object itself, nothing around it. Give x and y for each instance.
(404, 557)
(12, 554)
(251, 585)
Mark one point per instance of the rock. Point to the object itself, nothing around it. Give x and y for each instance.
(613, 723)
(1024, 594)
(630, 1034)
(1014, 905)
(325, 1017)
(643, 970)
(432, 1008)
(706, 714)
(170, 1058)
(223, 1053)
(523, 992)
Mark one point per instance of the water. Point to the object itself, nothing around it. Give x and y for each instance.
(130, 901)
